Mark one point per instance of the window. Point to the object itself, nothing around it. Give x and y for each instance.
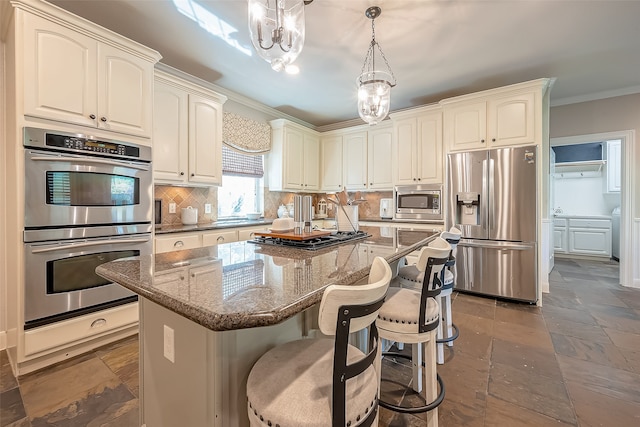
(241, 191)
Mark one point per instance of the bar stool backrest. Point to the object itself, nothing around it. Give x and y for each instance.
(452, 236)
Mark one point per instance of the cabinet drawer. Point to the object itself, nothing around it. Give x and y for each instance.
(176, 243)
(589, 223)
(209, 239)
(51, 337)
(248, 233)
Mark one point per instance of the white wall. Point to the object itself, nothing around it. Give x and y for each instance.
(583, 196)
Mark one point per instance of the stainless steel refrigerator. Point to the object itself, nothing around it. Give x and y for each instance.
(492, 200)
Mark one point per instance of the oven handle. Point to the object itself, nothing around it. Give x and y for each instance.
(84, 244)
(88, 160)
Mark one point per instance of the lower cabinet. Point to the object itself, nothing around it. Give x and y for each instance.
(176, 242)
(198, 239)
(582, 236)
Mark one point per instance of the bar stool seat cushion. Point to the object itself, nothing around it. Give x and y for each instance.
(401, 309)
(411, 273)
(448, 280)
(291, 385)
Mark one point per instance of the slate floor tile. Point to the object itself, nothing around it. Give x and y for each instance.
(11, 407)
(596, 409)
(500, 414)
(603, 353)
(533, 359)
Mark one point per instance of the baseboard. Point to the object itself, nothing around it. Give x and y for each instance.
(3, 340)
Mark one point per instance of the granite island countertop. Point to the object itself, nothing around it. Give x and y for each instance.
(244, 285)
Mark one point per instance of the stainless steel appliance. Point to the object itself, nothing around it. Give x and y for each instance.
(88, 201)
(421, 202)
(316, 243)
(492, 200)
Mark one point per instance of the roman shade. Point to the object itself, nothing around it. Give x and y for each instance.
(246, 135)
(240, 164)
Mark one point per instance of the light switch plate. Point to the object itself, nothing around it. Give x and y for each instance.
(207, 208)
(169, 347)
(172, 208)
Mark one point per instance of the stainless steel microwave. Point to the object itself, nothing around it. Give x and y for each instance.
(418, 202)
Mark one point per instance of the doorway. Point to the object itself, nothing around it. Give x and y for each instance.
(609, 198)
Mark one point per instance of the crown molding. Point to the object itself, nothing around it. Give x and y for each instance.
(595, 96)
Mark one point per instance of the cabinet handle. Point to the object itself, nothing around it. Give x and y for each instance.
(103, 119)
(178, 244)
(92, 116)
(220, 238)
(98, 323)
(252, 234)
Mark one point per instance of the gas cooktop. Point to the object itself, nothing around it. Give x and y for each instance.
(312, 244)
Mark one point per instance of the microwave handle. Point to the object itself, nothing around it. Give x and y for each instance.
(84, 244)
(144, 167)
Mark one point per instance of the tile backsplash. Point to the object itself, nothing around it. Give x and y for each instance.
(197, 197)
(183, 197)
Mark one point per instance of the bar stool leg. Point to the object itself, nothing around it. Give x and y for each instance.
(431, 387)
(440, 332)
(418, 369)
(449, 320)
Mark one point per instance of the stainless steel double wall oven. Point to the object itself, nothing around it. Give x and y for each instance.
(87, 201)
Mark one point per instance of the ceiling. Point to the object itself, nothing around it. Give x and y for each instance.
(436, 48)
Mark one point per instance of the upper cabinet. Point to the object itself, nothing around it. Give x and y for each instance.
(357, 159)
(187, 132)
(417, 151)
(511, 115)
(293, 162)
(83, 78)
(614, 166)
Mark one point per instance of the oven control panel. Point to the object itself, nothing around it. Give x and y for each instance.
(95, 146)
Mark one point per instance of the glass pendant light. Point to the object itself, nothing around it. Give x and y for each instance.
(374, 86)
(276, 28)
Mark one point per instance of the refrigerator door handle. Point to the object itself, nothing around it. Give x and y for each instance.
(491, 208)
(496, 245)
(485, 191)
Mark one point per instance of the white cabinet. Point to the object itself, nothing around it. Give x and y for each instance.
(492, 119)
(590, 236)
(354, 160)
(417, 151)
(219, 237)
(177, 241)
(331, 163)
(294, 159)
(379, 155)
(560, 234)
(614, 166)
(187, 133)
(74, 78)
(248, 233)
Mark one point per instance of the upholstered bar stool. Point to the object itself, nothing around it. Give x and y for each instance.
(411, 316)
(325, 382)
(447, 331)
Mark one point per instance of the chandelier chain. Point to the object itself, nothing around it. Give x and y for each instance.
(370, 58)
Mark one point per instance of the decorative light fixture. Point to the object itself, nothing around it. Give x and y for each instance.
(277, 30)
(374, 86)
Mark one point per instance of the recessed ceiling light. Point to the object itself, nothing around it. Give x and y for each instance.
(292, 69)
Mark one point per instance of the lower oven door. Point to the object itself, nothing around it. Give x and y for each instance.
(60, 278)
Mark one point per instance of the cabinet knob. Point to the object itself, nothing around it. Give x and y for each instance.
(92, 116)
(181, 173)
(414, 179)
(371, 183)
(193, 174)
(419, 179)
(482, 140)
(103, 119)
(493, 140)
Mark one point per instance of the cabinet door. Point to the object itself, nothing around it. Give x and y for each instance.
(429, 148)
(466, 126)
(311, 167)
(590, 241)
(511, 120)
(170, 133)
(204, 280)
(205, 141)
(354, 161)
(124, 92)
(379, 155)
(59, 73)
(406, 146)
(614, 166)
(331, 152)
(293, 159)
(560, 240)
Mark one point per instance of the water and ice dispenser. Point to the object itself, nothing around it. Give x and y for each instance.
(467, 209)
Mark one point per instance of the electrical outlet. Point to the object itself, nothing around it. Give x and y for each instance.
(207, 208)
(169, 347)
(172, 208)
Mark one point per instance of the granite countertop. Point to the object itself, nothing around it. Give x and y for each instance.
(243, 285)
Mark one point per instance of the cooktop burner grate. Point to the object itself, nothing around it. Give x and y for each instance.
(312, 244)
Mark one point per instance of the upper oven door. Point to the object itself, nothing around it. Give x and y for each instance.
(64, 190)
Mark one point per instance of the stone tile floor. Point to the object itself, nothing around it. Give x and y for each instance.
(573, 362)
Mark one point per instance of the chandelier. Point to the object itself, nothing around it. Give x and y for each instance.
(374, 86)
(276, 28)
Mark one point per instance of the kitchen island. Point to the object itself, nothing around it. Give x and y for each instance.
(207, 314)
